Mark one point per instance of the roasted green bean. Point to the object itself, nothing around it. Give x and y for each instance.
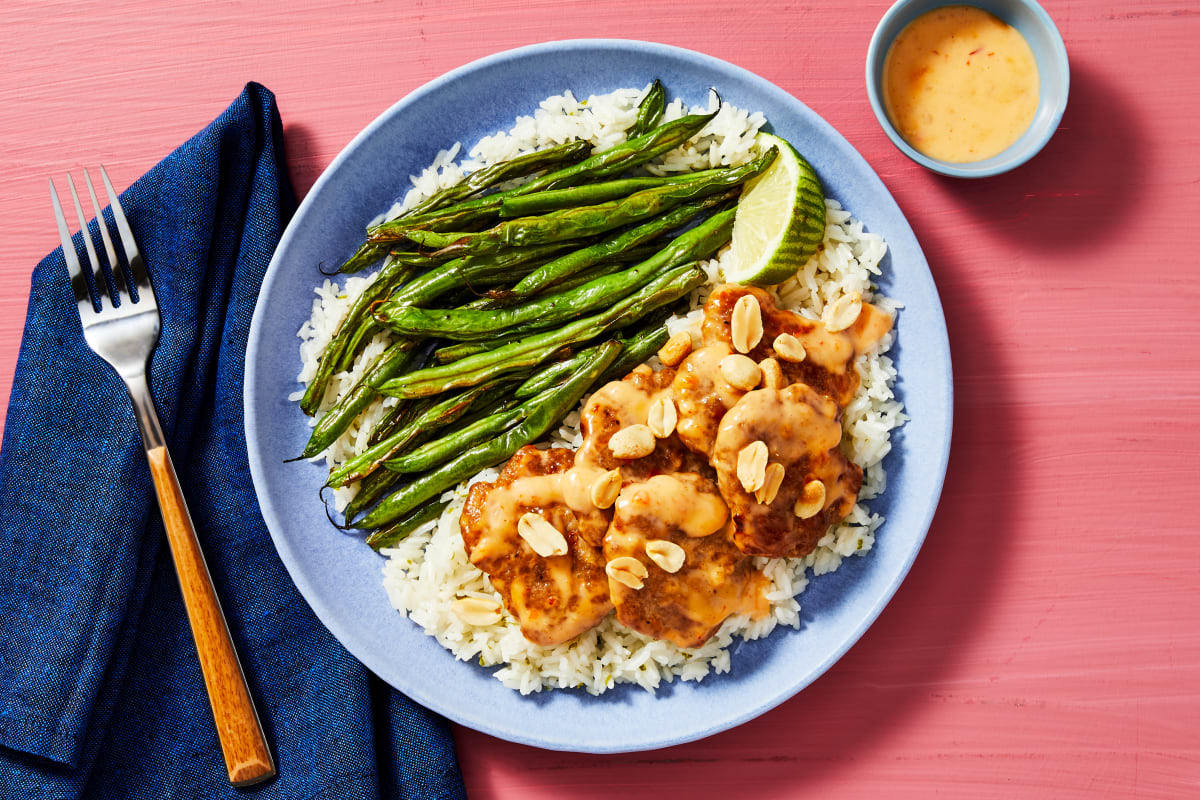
(577, 223)
(551, 273)
(612, 161)
(538, 347)
(346, 338)
(389, 364)
(551, 407)
(650, 110)
(402, 528)
(435, 416)
(468, 324)
(592, 193)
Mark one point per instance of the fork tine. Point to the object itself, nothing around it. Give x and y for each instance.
(118, 274)
(137, 267)
(83, 296)
(86, 235)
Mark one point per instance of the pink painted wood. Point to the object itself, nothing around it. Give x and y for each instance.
(1047, 642)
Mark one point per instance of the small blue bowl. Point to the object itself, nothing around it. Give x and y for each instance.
(1048, 49)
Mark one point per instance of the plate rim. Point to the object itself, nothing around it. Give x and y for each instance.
(287, 552)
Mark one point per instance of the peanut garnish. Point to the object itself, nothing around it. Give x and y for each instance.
(843, 313)
(476, 610)
(740, 372)
(789, 348)
(745, 324)
(811, 500)
(752, 465)
(606, 488)
(772, 374)
(545, 539)
(643, 369)
(676, 349)
(662, 417)
(765, 494)
(636, 441)
(627, 571)
(667, 555)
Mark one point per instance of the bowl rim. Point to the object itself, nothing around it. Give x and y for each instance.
(1007, 159)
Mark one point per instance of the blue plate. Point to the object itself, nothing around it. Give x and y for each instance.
(340, 576)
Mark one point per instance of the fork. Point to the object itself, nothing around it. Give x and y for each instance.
(124, 335)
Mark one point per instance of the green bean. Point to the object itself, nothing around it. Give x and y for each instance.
(346, 338)
(572, 263)
(551, 407)
(393, 418)
(612, 161)
(459, 215)
(650, 110)
(389, 364)
(470, 271)
(402, 528)
(636, 348)
(502, 172)
(371, 489)
(366, 328)
(366, 325)
(379, 482)
(450, 204)
(431, 454)
(366, 255)
(449, 353)
(469, 324)
(621, 157)
(445, 355)
(553, 374)
(370, 252)
(590, 194)
(435, 416)
(576, 223)
(502, 298)
(538, 347)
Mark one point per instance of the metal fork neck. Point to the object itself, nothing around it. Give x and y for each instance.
(144, 411)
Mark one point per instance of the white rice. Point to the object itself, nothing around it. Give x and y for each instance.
(426, 572)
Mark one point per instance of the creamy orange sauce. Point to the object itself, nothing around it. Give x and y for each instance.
(555, 598)
(676, 504)
(685, 492)
(715, 580)
(828, 366)
(802, 431)
(960, 84)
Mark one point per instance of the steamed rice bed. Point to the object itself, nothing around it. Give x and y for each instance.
(425, 573)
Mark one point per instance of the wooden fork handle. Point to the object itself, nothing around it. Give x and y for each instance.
(247, 756)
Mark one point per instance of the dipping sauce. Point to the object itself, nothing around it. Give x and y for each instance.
(960, 84)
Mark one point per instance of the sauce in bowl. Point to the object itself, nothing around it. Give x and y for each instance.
(960, 84)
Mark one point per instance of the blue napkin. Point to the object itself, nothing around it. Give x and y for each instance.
(100, 689)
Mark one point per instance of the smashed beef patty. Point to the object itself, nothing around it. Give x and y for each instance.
(802, 432)
(828, 366)
(713, 580)
(553, 598)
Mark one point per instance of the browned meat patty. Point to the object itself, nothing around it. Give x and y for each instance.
(829, 364)
(554, 598)
(802, 432)
(713, 580)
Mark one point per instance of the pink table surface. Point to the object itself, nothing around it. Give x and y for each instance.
(1047, 642)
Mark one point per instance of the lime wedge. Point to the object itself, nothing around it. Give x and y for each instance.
(780, 218)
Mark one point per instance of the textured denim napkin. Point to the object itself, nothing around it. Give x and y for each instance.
(100, 689)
